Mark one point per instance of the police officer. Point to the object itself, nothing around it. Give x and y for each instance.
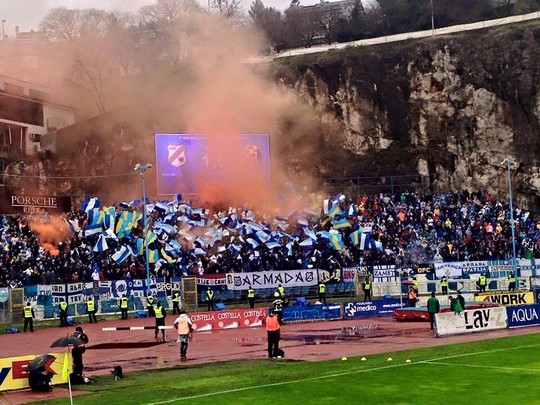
(91, 309)
(367, 289)
(210, 299)
(124, 303)
(160, 320)
(482, 282)
(444, 285)
(251, 297)
(150, 302)
(63, 308)
(28, 315)
(512, 282)
(176, 303)
(322, 293)
(277, 307)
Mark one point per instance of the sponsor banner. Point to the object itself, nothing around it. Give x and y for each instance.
(507, 298)
(384, 273)
(423, 268)
(214, 281)
(469, 321)
(302, 313)
(448, 269)
(228, 319)
(361, 309)
(329, 277)
(24, 204)
(476, 267)
(14, 371)
(271, 279)
(523, 315)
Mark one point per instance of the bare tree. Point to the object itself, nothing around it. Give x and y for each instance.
(269, 20)
(230, 9)
(166, 11)
(61, 23)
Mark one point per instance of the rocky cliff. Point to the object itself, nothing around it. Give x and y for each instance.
(450, 108)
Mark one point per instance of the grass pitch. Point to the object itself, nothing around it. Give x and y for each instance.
(497, 371)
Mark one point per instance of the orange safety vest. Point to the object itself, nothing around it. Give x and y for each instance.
(412, 294)
(272, 323)
(183, 325)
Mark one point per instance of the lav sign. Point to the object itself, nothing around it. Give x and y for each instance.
(523, 315)
(485, 319)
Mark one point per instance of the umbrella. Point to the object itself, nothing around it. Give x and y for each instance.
(407, 282)
(67, 341)
(41, 361)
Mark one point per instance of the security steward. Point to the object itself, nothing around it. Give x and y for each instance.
(63, 308)
(273, 334)
(322, 293)
(415, 284)
(210, 299)
(124, 303)
(444, 285)
(367, 289)
(482, 282)
(28, 315)
(150, 302)
(176, 303)
(91, 309)
(281, 291)
(251, 297)
(512, 282)
(160, 320)
(277, 307)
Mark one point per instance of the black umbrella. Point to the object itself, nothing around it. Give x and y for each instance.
(40, 361)
(67, 341)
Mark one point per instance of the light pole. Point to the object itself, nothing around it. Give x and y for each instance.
(432, 19)
(508, 162)
(3, 33)
(142, 169)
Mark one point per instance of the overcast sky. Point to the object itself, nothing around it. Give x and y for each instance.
(28, 13)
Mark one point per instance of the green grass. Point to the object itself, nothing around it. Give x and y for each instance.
(499, 371)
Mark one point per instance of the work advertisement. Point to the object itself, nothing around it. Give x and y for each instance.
(506, 297)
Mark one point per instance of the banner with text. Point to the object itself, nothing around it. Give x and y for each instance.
(384, 273)
(228, 319)
(523, 315)
(469, 321)
(360, 309)
(271, 279)
(506, 297)
(14, 371)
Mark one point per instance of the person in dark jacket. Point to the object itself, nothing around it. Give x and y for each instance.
(433, 307)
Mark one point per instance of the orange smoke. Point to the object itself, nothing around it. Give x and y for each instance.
(50, 233)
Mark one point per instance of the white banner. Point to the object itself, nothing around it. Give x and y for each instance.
(271, 279)
(451, 269)
(384, 273)
(480, 266)
(469, 321)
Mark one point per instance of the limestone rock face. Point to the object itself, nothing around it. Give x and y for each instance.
(451, 108)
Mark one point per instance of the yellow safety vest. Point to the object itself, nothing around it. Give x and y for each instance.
(28, 311)
(176, 297)
(367, 286)
(210, 294)
(90, 305)
(251, 293)
(444, 282)
(482, 280)
(511, 279)
(63, 305)
(281, 290)
(159, 312)
(322, 288)
(124, 302)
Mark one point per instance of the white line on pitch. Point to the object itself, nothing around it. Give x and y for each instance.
(481, 366)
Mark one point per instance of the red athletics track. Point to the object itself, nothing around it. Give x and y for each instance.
(313, 341)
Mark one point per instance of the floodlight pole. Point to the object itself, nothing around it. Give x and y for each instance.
(508, 162)
(142, 169)
(432, 19)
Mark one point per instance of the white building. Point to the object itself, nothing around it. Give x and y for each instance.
(28, 111)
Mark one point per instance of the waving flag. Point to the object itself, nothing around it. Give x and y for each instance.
(363, 240)
(90, 203)
(337, 241)
(96, 216)
(101, 244)
(340, 223)
(90, 230)
(122, 254)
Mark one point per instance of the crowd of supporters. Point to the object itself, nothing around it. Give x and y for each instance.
(402, 229)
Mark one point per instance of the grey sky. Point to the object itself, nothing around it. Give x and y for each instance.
(28, 13)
